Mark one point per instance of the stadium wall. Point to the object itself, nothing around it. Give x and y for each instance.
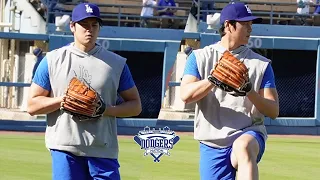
(168, 41)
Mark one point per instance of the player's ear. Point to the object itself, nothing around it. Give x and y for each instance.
(230, 26)
(227, 26)
(72, 26)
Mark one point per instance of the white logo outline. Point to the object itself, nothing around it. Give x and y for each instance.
(88, 9)
(248, 9)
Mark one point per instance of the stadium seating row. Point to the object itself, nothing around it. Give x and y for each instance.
(281, 12)
(111, 12)
(260, 8)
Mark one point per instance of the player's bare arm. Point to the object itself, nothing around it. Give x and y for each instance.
(40, 103)
(130, 107)
(266, 101)
(192, 89)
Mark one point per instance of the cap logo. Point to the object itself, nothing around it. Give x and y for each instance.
(248, 9)
(88, 9)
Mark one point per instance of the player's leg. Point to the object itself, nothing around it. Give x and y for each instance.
(104, 169)
(215, 164)
(67, 166)
(247, 151)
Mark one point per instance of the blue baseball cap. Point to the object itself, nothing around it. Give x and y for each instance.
(238, 12)
(85, 10)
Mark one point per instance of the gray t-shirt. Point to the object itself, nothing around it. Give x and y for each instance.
(220, 117)
(102, 70)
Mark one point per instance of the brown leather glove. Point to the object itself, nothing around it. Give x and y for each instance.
(231, 75)
(82, 101)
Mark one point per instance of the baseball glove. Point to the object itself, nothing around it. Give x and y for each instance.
(82, 101)
(231, 75)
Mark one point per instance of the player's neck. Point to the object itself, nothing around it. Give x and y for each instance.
(229, 44)
(83, 47)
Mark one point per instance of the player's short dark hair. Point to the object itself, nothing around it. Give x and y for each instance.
(221, 30)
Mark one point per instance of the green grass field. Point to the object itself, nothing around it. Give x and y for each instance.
(24, 157)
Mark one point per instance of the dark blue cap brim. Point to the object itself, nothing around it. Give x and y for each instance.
(250, 18)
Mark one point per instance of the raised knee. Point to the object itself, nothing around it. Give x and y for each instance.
(245, 150)
(241, 147)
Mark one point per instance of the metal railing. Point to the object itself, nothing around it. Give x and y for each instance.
(270, 14)
(121, 14)
(120, 8)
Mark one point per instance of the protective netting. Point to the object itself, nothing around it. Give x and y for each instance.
(295, 76)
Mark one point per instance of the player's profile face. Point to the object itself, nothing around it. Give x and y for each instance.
(243, 31)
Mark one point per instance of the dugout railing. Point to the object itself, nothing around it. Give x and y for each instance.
(121, 14)
(270, 11)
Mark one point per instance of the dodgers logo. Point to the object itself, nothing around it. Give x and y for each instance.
(156, 142)
(248, 9)
(88, 9)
